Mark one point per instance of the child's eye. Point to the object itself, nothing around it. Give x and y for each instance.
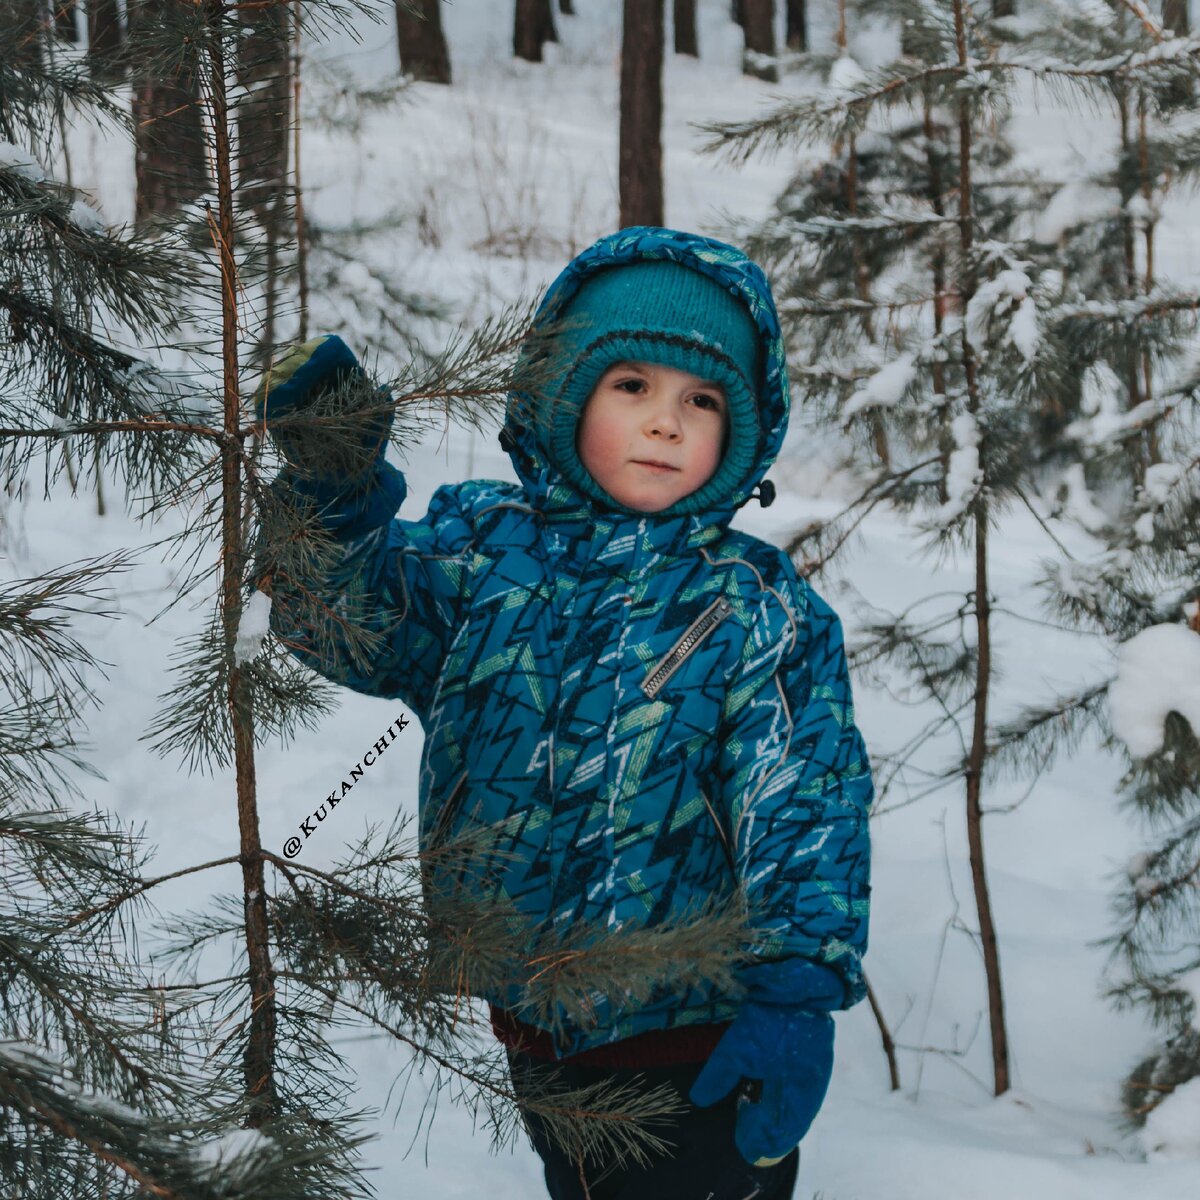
(706, 401)
(631, 385)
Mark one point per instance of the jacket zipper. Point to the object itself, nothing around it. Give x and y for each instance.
(695, 633)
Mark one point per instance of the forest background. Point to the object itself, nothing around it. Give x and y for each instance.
(431, 208)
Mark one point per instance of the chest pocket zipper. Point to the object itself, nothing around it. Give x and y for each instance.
(695, 633)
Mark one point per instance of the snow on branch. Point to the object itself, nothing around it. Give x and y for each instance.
(1158, 672)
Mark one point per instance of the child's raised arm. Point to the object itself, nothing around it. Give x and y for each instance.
(375, 605)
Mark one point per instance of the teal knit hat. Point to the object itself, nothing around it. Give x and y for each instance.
(665, 313)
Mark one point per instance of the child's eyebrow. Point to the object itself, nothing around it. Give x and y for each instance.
(637, 370)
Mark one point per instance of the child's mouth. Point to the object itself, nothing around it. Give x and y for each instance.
(654, 466)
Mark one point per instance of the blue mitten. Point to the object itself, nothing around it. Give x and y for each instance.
(320, 377)
(788, 1047)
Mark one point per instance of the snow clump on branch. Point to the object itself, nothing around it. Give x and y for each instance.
(1158, 672)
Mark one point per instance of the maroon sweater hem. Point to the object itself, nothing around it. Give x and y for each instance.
(657, 1048)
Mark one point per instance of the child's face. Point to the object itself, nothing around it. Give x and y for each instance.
(641, 414)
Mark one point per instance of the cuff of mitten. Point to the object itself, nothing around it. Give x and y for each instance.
(349, 510)
(794, 981)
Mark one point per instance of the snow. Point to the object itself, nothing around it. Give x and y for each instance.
(233, 1155)
(845, 76)
(532, 150)
(963, 475)
(86, 218)
(996, 296)
(1023, 330)
(1172, 1130)
(18, 159)
(253, 627)
(1074, 204)
(1190, 982)
(1080, 505)
(1158, 671)
(885, 387)
(1159, 480)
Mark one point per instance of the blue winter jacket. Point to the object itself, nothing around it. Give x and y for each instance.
(655, 709)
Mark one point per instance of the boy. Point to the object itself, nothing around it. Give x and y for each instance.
(654, 705)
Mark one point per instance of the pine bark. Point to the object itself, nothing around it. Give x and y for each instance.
(105, 38)
(685, 28)
(423, 51)
(169, 159)
(1175, 16)
(264, 110)
(758, 23)
(797, 25)
(529, 33)
(258, 1061)
(983, 657)
(640, 155)
(546, 21)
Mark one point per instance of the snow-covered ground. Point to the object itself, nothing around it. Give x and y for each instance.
(517, 154)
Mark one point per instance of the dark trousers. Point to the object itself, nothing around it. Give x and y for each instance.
(704, 1163)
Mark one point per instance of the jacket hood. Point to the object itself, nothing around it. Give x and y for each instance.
(546, 485)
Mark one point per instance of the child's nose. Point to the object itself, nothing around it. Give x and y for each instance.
(664, 421)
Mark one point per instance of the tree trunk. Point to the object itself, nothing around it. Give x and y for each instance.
(797, 25)
(546, 21)
(104, 37)
(264, 117)
(640, 157)
(169, 158)
(685, 28)
(298, 185)
(983, 658)
(1175, 16)
(758, 22)
(423, 52)
(264, 110)
(527, 37)
(737, 12)
(566, 7)
(64, 20)
(258, 1062)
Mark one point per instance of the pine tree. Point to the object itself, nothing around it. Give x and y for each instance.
(758, 23)
(684, 24)
(533, 27)
(916, 316)
(639, 168)
(99, 1093)
(423, 52)
(1017, 363)
(797, 25)
(170, 161)
(1131, 476)
(379, 939)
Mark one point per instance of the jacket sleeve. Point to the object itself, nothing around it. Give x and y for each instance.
(401, 581)
(797, 785)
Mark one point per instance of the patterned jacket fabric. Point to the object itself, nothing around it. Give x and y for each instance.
(655, 710)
